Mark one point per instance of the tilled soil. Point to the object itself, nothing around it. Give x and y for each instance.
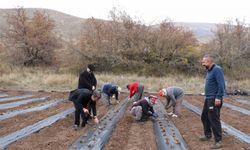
(128, 133)
(236, 119)
(59, 135)
(132, 135)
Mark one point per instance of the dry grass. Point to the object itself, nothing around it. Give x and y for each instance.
(49, 80)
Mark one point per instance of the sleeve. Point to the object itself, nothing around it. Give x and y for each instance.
(94, 80)
(172, 99)
(151, 109)
(93, 107)
(116, 95)
(221, 84)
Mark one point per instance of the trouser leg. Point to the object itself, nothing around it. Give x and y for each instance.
(178, 106)
(205, 120)
(214, 118)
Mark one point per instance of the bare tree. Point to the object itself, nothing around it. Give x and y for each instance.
(31, 41)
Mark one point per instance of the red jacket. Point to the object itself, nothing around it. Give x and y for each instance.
(133, 88)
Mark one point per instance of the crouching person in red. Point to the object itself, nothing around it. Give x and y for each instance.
(143, 109)
(84, 100)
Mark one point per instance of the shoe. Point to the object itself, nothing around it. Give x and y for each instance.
(216, 145)
(83, 124)
(170, 114)
(76, 127)
(174, 116)
(205, 138)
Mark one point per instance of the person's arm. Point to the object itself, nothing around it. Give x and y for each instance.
(93, 107)
(221, 83)
(172, 99)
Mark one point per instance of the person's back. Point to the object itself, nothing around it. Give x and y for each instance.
(87, 79)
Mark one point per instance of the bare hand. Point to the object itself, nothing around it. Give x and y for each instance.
(85, 110)
(96, 120)
(217, 102)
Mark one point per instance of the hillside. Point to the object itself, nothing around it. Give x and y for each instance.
(69, 27)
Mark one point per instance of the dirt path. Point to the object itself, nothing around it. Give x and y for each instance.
(132, 135)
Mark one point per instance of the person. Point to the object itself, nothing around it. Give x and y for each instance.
(108, 90)
(174, 97)
(214, 92)
(143, 109)
(83, 99)
(135, 90)
(87, 78)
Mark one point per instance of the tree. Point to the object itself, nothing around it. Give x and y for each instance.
(231, 46)
(31, 41)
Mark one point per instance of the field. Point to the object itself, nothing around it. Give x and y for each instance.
(27, 125)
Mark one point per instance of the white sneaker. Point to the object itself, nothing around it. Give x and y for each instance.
(174, 116)
(170, 114)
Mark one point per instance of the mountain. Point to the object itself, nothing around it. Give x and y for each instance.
(69, 27)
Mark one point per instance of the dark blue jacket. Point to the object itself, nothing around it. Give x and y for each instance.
(215, 83)
(110, 90)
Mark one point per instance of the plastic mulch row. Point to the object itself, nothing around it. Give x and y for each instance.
(37, 108)
(22, 102)
(3, 95)
(166, 134)
(97, 137)
(8, 139)
(236, 108)
(227, 128)
(15, 98)
(243, 101)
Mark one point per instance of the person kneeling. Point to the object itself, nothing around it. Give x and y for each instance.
(143, 109)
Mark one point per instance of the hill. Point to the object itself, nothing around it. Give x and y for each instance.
(69, 27)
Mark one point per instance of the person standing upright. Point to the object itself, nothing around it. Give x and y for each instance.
(87, 78)
(214, 92)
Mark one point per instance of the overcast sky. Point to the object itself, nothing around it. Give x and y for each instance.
(149, 11)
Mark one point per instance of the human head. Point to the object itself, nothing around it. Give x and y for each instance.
(163, 92)
(207, 61)
(96, 96)
(91, 67)
(153, 99)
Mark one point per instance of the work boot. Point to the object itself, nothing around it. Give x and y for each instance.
(216, 145)
(76, 127)
(205, 138)
(83, 124)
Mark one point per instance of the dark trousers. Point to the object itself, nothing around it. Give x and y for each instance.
(79, 112)
(210, 118)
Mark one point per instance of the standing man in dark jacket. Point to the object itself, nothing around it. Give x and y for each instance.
(84, 99)
(214, 92)
(87, 78)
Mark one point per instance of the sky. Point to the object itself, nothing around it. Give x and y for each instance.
(148, 11)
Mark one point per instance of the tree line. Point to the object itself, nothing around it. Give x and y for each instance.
(123, 44)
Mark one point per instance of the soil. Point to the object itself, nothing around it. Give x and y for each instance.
(236, 119)
(128, 133)
(131, 135)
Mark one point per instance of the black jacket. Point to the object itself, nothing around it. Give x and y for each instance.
(146, 107)
(83, 97)
(86, 80)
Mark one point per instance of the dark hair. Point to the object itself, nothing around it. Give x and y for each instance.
(91, 67)
(96, 94)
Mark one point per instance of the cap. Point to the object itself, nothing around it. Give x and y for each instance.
(162, 92)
